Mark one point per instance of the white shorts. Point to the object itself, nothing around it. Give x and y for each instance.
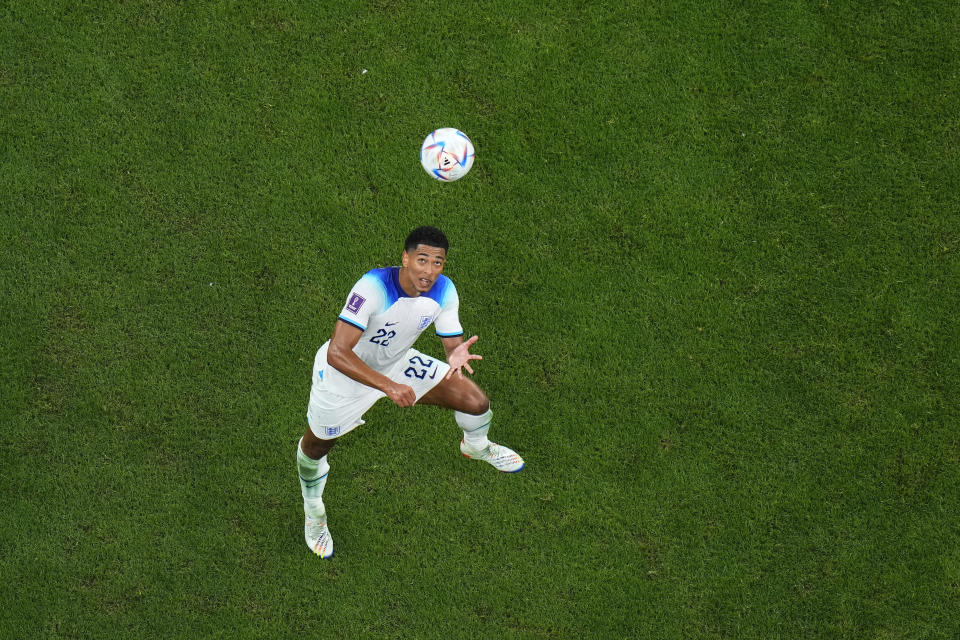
(330, 415)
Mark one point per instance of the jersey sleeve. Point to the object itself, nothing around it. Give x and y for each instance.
(366, 298)
(447, 323)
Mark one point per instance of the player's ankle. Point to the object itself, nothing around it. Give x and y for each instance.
(476, 442)
(475, 429)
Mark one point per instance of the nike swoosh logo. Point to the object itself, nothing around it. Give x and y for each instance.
(390, 324)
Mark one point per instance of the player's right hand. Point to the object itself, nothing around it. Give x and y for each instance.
(401, 395)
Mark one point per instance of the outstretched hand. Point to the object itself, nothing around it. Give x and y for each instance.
(459, 359)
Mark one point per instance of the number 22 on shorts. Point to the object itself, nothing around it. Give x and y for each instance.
(420, 368)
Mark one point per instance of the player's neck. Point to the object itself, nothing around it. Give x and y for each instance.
(407, 287)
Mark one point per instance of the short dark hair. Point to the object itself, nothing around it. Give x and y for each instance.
(430, 236)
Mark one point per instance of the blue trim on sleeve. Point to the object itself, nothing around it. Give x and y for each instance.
(389, 284)
(352, 323)
(450, 335)
(383, 279)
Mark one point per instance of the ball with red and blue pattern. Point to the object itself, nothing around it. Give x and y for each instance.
(447, 154)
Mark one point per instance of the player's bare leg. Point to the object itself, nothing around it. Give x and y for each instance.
(313, 446)
(473, 415)
(459, 393)
(313, 468)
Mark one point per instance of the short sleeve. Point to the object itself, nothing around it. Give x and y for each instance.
(365, 299)
(447, 324)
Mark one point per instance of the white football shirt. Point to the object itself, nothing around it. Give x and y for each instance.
(392, 321)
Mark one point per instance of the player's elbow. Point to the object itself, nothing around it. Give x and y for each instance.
(336, 356)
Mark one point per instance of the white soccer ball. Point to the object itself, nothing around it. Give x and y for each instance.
(447, 154)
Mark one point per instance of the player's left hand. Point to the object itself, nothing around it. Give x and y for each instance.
(459, 359)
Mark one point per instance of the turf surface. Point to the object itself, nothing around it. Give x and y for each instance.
(710, 250)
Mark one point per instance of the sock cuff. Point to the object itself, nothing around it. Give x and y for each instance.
(309, 468)
(470, 422)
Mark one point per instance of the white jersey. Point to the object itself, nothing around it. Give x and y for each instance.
(392, 321)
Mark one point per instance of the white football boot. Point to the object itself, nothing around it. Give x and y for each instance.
(318, 536)
(502, 458)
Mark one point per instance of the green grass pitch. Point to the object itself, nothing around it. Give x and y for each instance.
(710, 249)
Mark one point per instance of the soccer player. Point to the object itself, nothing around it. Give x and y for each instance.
(370, 356)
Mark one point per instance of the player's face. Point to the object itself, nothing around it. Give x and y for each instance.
(421, 268)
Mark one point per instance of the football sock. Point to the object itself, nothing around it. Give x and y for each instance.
(475, 428)
(313, 477)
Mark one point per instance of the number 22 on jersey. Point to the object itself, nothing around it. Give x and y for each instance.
(383, 337)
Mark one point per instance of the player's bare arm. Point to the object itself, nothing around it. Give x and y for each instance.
(458, 355)
(340, 355)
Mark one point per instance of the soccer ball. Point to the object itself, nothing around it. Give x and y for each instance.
(447, 154)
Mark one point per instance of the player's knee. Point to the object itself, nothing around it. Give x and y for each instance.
(476, 403)
(315, 447)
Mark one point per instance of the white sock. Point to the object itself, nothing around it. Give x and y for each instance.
(313, 478)
(475, 428)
